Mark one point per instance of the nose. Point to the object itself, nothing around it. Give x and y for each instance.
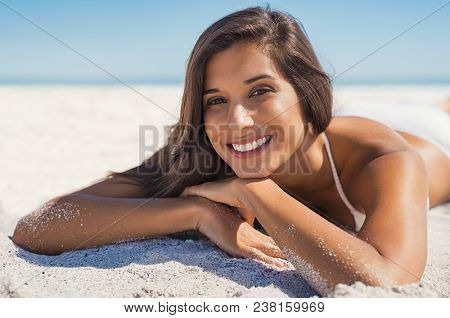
(239, 117)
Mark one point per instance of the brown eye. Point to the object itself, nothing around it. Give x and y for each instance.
(259, 91)
(211, 102)
(263, 90)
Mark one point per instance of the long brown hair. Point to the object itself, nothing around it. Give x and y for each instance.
(188, 158)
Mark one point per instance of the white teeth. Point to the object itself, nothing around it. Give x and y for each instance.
(238, 147)
(250, 146)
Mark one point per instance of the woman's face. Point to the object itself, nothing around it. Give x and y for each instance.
(252, 114)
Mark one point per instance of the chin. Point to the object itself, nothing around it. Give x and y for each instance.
(262, 173)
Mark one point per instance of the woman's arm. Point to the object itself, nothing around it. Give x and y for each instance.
(78, 220)
(110, 210)
(114, 210)
(391, 247)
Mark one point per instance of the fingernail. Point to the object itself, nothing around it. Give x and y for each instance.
(279, 264)
(272, 246)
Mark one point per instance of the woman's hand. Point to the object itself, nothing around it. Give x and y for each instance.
(228, 191)
(222, 225)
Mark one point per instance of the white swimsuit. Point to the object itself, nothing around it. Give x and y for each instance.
(357, 215)
(426, 121)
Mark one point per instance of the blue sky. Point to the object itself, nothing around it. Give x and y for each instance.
(151, 40)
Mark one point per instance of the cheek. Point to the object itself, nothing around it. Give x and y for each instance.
(289, 130)
(213, 133)
(212, 119)
(293, 129)
(286, 106)
(215, 126)
(286, 119)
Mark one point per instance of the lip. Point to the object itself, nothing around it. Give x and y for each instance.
(250, 153)
(247, 139)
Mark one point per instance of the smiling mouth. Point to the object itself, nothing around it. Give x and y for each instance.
(251, 148)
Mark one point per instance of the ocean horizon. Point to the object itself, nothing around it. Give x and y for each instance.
(179, 82)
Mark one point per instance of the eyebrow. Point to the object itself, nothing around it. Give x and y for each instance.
(247, 81)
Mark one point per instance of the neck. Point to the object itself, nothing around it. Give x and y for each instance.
(308, 169)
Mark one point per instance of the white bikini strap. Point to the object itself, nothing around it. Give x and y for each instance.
(336, 177)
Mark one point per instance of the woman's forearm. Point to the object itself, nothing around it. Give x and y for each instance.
(79, 221)
(324, 254)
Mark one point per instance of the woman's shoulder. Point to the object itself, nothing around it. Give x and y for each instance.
(362, 137)
(356, 141)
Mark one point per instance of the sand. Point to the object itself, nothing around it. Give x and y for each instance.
(54, 140)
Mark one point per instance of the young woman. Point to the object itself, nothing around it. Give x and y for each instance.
(344, 199)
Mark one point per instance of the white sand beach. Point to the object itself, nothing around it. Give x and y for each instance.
(56, 139)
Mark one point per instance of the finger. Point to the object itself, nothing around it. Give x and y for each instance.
(254, 253)
(265, 238)
(214, 191)
(270, 239)
(269, 246)
(186, 192)
(271, 250)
